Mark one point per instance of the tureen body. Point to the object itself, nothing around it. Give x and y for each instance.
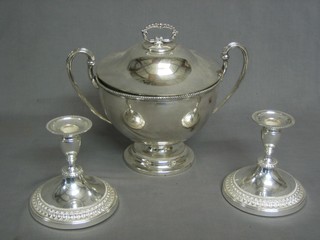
(158, 94)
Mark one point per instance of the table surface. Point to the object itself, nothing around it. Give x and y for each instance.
(282, 39)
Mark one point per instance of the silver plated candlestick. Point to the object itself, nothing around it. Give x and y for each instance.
(264, 189)
(72, 200)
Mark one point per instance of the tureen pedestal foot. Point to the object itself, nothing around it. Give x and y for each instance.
(159, 159)
(264, 189)
(72, 200)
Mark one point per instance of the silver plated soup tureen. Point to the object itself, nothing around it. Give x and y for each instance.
(158, 94)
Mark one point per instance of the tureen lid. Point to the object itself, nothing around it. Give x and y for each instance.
(157, 67)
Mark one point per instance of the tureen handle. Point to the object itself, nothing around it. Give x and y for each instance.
(91, 63)
(225, 58)
(174, 32)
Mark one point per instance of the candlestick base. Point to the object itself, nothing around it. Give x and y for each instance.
(264, 192)
(73, 203)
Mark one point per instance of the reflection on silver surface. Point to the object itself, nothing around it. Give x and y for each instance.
(72, 200)
(132, 118)
(159, 71)
(191, 118)
(264, 189)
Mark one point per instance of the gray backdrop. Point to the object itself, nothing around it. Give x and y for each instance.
(282, 38)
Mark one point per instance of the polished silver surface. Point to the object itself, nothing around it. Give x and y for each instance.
(159, 44)
(90, 63)
(264, 189)
(174, 32)
(132, 118)
(159, 159)
(159, 71)
(158, 94)
(72, 200)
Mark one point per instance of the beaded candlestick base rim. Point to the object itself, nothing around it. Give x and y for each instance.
(73, 218)
(289, 201)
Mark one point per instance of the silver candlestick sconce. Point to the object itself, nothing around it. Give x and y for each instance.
(264, 189)
(72, 200)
